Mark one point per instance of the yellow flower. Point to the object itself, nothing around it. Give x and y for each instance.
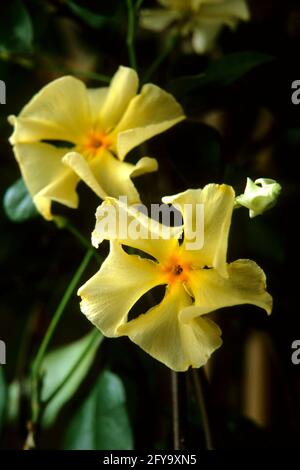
(259, 196)
(100, 125)
(202, 20)
(198, 281)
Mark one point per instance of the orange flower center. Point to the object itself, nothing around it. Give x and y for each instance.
(95, 142)
(176, 270)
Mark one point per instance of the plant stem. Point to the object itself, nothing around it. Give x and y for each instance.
(200, 386)
(138, 5)
(170, 43)
(179, 409)
(37, 365)
(84, 241)
(175, 410)
(131, 34)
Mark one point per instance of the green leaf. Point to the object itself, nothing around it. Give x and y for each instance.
(94, 20)
(16, 32)
(3, 397)
(13, 401)
(220, 73)
(101, 423)
(18, 203)
(64, 369)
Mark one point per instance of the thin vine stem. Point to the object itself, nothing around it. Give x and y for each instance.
(169, 46)
(138, 5)
(131, 34)
(38, 362)
(175, 410)
(179, 409)
(200, 385)
(82, 240)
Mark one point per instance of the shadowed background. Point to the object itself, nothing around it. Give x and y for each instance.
(246, 126)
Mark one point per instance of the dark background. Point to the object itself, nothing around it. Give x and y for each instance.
(248, 128)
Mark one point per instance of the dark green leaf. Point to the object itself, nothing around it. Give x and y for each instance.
(220, 73)
(3, 396)
(94, 20)
(101, 423)
(16, 33)
(65, 369)
(13, 401)
(18, 203)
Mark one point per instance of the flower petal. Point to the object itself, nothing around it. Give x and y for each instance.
(96, 97)
(123, 88)
(116, 220)
(108, 176)
(151, 112)
(158, 19)
(246, 284)
(226, 12)
(183, 4)
(83, 170)
(60, 111)
(204, 36)
(46, 177)
(161, 333)
(109, 295)
(218, 202)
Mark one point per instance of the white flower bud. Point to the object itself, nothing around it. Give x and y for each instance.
(259, 196)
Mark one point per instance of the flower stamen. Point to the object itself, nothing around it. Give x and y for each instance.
(95, 142)
(176, 270)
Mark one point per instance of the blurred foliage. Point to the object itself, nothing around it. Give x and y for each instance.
(18, 204)
(219, 74)
(101, 422)
(64, 370)
(16, 31)
(3, 392)
(240, 123)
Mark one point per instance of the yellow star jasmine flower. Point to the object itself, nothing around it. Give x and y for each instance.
(198, 281)
(100, 125)
(202, 20)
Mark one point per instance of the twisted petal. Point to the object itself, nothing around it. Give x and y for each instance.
(246, 284)
(162, 333)
(109, 295)
(107, 176)
(151, 112)
(217, 201)
(46, 177)
(60, 111)
(122, 89)
(115, 220)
